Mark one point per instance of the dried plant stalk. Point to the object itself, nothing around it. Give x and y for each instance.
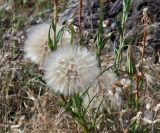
(145, 20)
(79, 19)
(55, 19)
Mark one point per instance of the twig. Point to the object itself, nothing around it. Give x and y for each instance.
(79, 20)
(55, 16)
(145, 20)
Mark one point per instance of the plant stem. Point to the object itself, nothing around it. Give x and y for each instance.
(55, 21)
(83, 126)
(145, 24)
(63, 99)
(98, 52)
(79, 20)
(81, 122)
(119, 51)
(126, 7)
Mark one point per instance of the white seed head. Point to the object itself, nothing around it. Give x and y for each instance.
(99, 93)
(71, 70)
(36, 44)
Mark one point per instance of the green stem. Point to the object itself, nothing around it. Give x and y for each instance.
(80, 121)
(84, 127)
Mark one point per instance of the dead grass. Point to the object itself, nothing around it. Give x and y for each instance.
(26, 105)
(25, 102)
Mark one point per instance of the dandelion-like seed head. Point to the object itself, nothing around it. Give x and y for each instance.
(98, 95)
(71, 70)
(36, 44)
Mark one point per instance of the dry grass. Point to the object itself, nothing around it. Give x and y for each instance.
(26, 104)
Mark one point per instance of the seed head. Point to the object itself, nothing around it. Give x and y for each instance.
(36, 44)
(70, 70)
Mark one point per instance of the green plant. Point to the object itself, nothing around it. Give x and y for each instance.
(121, 30)
(100, 40)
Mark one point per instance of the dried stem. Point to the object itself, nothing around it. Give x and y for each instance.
(55, 18)
(145, 20)
(63, 99)
(136, 87)
(79, 19)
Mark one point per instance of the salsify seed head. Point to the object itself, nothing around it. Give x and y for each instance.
(36, 44)
(98, 94)
(71, 69)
